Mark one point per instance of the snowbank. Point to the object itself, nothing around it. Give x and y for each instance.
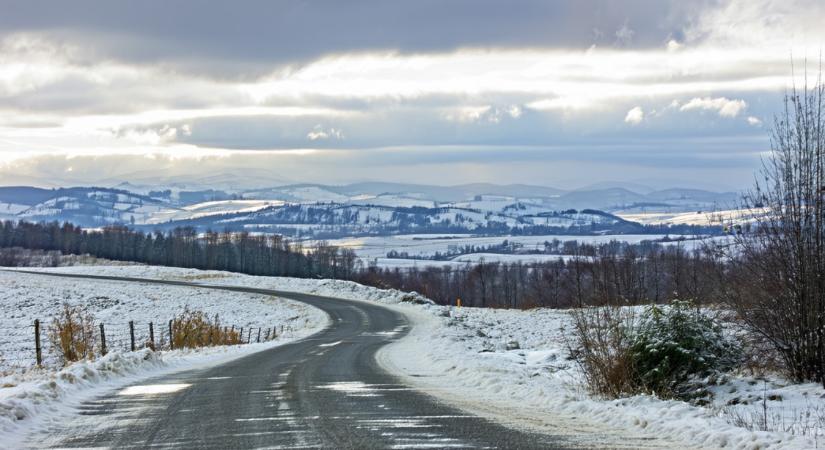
(514, 366)
(518, 361)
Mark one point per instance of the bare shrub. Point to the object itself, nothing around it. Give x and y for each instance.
(776, 279)
(193, 329)
(602, 339)
(71, 333)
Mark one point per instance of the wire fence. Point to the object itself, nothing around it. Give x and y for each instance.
(30, 346)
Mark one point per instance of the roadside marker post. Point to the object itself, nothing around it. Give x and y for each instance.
(132, 334)
(458, 303)
(38, 351)
(103, 350)
(171, 337)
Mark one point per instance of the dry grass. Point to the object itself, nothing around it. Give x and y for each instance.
(71, 333)
(808, 421)
(193, 329)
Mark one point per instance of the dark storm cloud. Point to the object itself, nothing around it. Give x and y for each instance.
(258, 34)
(474, 90)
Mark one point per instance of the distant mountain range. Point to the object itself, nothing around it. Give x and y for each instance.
(362, 208)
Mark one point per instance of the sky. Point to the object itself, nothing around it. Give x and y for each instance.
(260, 93)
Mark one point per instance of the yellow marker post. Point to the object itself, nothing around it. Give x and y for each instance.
(458, 303)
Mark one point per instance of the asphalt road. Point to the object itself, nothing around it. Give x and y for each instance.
(326, 391)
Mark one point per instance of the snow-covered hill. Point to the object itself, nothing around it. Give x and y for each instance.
(339, 219)
(207, 209)
(311, 210)
(90, 207)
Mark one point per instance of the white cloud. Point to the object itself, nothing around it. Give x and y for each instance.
(487, 113)
(755, 121)
(673, 45)
(723, 106)
(514, 111)
(154, 136)
(495, 115)
(770, 25)
(634, 116)
(319, 133)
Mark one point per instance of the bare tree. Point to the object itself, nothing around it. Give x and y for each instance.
(777, 281)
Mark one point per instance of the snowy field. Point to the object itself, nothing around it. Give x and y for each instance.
(212, 208)
(427, 245)
(705, 218)
(461, 261)
(513, 366)
(373, 250)
(28, 393)
(24, 298)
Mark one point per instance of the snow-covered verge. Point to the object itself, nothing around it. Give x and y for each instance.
(518, 361)
(29, 395)
(514, 366)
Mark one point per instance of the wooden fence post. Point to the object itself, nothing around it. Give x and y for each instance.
(103, 350)
(267, 334)
(152, 335)
(259, 335)
(171, 337)
(132, 333)
(38, 351)
(249, 335)
(240, 336)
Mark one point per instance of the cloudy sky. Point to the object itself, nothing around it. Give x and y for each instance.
(545, 92)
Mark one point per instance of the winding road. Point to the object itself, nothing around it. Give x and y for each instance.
(326, 391)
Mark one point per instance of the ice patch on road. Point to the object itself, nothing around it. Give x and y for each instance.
(360, 389)
(153, 389)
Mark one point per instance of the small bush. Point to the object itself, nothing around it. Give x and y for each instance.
(601, 347)
(675, 344)
(71, 333)
(659, 350)
(193, 329)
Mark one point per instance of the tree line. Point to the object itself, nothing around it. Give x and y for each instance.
(254, 254)
(587, 274)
